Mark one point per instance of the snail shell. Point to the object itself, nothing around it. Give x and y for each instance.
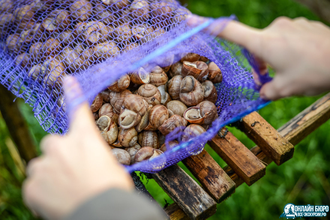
(132, 151)
(158, 115)
(190, 57)
(215, 74)
(140, 77)
(143, 154)
(117, 100)
(158, 76)
(135, 103)
(174, 86)
(143, 122)
(176, 69)
(97, 103)
(108, 128)
(148, 139)
(150, 93)
(170, 143)
(128, 137)
(165, 97)
(192, 131)
(129, 119)
(176, 107)
(172, 123)
(204, 113)
(157, 152)
(191, 91)
(121, 84)
(210, 92)
(198, 69)
(122, 156)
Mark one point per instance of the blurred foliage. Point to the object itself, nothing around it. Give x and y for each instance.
(302, 180)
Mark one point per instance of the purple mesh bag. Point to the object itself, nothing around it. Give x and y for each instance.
(98, 41)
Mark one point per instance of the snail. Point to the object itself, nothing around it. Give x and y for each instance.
(204, 113)
(172, 123)
(158, 76)
(191, 91)
(176, 107)
(127, 137)
(150, 93)
(122, 156)
(190, 57)
(210, 92)
(173, 86)
(121, 84)
(148, 139)
(128, 119)
(140, 76)
(108, 128)
(197, 69)
(215, 74)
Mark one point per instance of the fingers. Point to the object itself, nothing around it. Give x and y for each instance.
(279, 87)
(33, 164)
(81, 118)
(233, 31)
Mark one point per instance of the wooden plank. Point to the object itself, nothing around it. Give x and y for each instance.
(175, 213)
(190, 197)
(212, 177)
(239, 158)
(16, 125)
(267, 138)
(307, 121)
(294, 131)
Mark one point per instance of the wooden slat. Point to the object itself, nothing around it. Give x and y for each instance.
(267, 138)
(307, 121)
(212, 177)
(190, 197)
(17, 126)
(239, 158)
(294, 131)
(175, 213)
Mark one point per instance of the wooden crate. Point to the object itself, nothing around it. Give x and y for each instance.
(192, 201)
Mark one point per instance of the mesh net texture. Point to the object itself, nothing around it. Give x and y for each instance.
(99, 41)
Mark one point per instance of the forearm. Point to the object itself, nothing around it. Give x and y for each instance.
(117, 204)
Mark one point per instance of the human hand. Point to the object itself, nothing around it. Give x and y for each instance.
(73, 167)
(297, 49)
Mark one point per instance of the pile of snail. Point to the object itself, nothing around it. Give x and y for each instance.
(53, 38)
(136, 112)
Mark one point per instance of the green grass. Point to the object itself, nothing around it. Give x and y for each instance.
(302, 180)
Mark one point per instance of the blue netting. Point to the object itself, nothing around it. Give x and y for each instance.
(98, 41)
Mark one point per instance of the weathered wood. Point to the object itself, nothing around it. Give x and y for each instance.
(307, 121)
(16, 125)
(212, 177)
(319, 7)
(190, 197)
(267, 138)
(175, 213)
(295, 130)
(239, 158)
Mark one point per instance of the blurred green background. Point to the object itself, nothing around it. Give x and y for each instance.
(302, 180)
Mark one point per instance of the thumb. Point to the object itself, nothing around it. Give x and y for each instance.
(79, 114)
(231, 30)
(275, 89)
